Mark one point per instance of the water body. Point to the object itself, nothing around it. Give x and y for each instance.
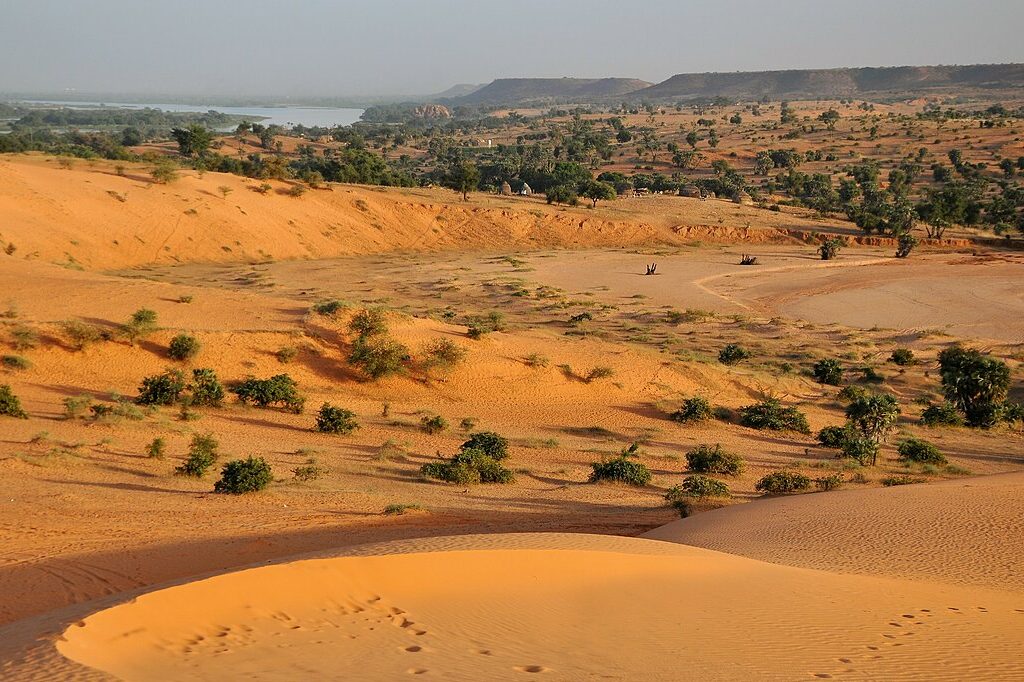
(284, 115)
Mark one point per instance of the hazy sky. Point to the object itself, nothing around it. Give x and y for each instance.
(329, 48)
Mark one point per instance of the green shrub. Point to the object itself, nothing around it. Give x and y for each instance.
(368, 322)
(977, 384)
(830, 247)
(333, 419)
(919, 451)
(280, 390)
(141, 324)
(782, 482)
(310, 471)
(862, 449)
(874, 415)
(328, 308)
(378, 356)
(769, 414)
(698, 486)
(835, 436)
(183, 347)
(80, 334)
(902, 357)
(828, 371)
(467, 467)
(286, 354)
(620, 469)
(600, 372)
(732, 354)
(399, 509)
(202, 454)
(695, 409)
(434, 424)
(900, 479)
(10, 406)
(944, 414)
(489, 443)
(851, 393)
(206, 389)
(14, 362)
(442, 354)
(829, 482)
(120, 409)
(869, 376)
(244, 476)
(24, 338)
(74, 406)
(156, 449)
(707, 459)
(161, 389)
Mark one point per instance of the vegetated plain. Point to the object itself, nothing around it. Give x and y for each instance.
(359, 335)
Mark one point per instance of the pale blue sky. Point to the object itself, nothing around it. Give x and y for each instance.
(319, 47)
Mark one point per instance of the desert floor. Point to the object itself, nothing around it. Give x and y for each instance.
(809, 582)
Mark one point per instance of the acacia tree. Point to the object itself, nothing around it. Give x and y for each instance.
(829, 118)
(596, 190)
(463, 177)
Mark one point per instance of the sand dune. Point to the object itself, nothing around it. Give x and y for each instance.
(561, 607)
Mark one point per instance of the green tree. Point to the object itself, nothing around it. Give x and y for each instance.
(596, 190)
(975, 383)
(829, 118)
(874, 415)
(463, 177)
(192, 141)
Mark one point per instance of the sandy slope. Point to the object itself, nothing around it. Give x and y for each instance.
(564, 607)
(91, 217)
(967, 532)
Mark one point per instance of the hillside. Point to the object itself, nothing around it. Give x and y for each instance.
(831, 83)
(524, 90)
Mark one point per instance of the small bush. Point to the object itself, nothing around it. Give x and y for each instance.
(310, 471)
(852, 393)
(81, 335)
(75, 406)
(379, 357)
(599, 373)
(829, 248)
(900, 479)
(829, 482)
(732, 354)
(333, 419)
(280, 390)
(944, 414)
(769, 414)
(244, 476)
(489, 443)
(15, 362)
(707, 459)
(695, 409)
(399, 509)
(286, 354)
(620, 469)
(24, 338)
(828, 371)
(10, 406)
(862, 449)
(870, 376)
(698, 486)
(919, 451)
(141, 324)
(161, 389)
(783, 482)
(202, 454)
(835, 436)
(902, 357)
(442, 354)
(328, 308)
(368, 322)
(536, 360)
(156, 449)
(468, 466)
(121, 409)
(206, 389)
(183, 347)
(433, 425)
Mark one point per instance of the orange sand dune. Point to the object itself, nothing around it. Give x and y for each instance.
(560, 607)
(91, 217)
